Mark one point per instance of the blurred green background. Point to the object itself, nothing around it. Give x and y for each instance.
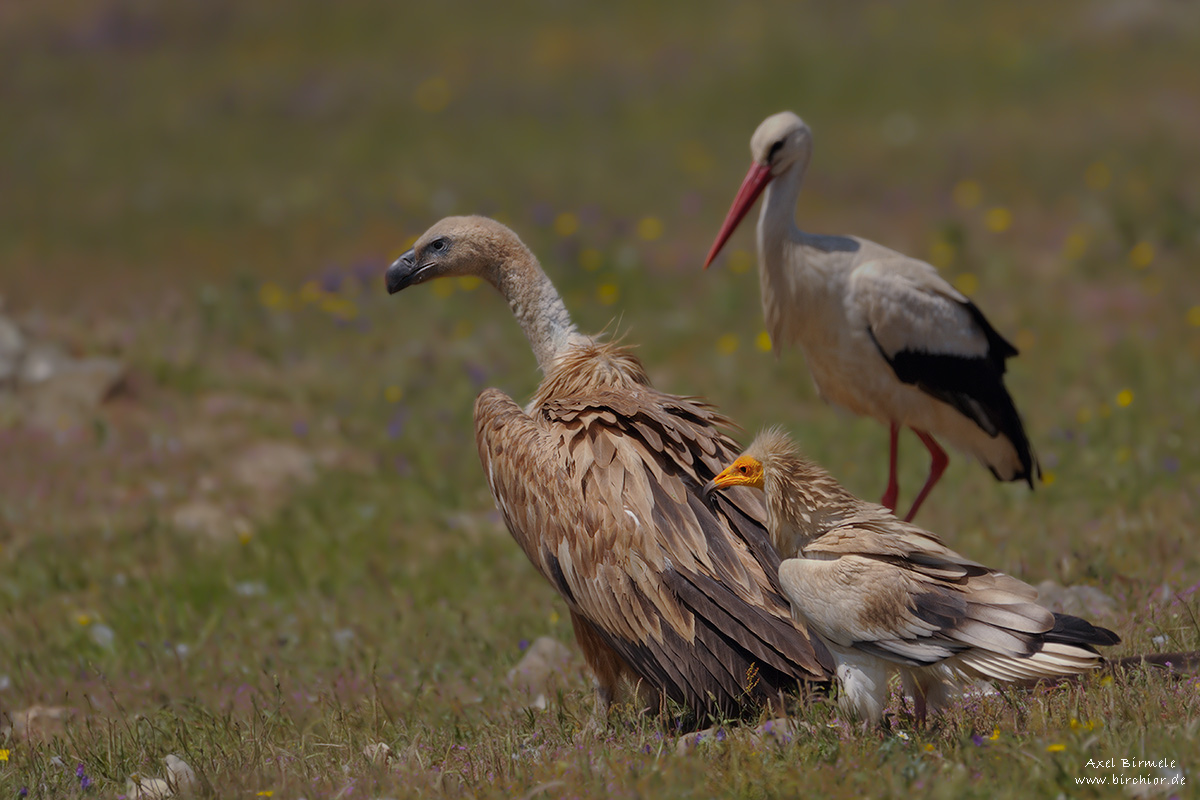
(209, 193)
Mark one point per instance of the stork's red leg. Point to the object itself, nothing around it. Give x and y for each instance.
(893, 487)
(937, 465)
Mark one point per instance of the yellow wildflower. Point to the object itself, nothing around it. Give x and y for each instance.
(468, 283)
(1193, 316)
(1097, 176)
(694, 157)
(341, 307)
(1048, 477)
(271, 295)
(967, 194)
(1056, 748)
(1124, 398)
(608, 293)
(393, 394)
(966, 283)
(727, 344)
(433, 95)
(650, 228)
(1141, 255)
(4, 755)
(763, 341)
(941, 253)
(591, 259)
(1076, 243)
(998, 219)
(311, 292)
(740, 261)
(566, 223)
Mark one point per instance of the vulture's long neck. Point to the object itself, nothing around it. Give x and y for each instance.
(537, 306)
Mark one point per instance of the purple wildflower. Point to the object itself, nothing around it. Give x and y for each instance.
(331, 279)
(977, 739)
(477, 374)
(396, 424)
(720, 734)
(366, 270)
(521, 645)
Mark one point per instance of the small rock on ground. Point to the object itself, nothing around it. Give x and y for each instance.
(269, 466)
(210, 520)
(40, 722)
(1080, 601)
(541, 671)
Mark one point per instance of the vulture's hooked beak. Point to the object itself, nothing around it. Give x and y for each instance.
(401, 273)
(708, 493)
(752, 186)
(745, 471)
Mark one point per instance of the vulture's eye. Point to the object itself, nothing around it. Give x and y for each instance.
(438, 245)
(743, 469)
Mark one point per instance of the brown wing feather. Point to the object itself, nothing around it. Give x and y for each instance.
(602, 494)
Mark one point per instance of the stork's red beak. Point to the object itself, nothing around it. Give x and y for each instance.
(756, 180)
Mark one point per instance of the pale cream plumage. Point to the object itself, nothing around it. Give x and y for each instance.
(598, 480)
(887, 596)
(883, 334)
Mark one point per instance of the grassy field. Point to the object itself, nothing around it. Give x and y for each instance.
(211, 192)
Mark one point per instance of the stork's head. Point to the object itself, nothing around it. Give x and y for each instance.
(455, 247)
(782, 142)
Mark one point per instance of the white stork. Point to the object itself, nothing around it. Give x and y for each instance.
(883, 334)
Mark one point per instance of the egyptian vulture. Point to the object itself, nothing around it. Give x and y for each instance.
(886, 596)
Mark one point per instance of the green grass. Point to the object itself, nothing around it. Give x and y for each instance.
(175, 177)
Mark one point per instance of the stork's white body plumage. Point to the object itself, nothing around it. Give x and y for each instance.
(884, 334)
